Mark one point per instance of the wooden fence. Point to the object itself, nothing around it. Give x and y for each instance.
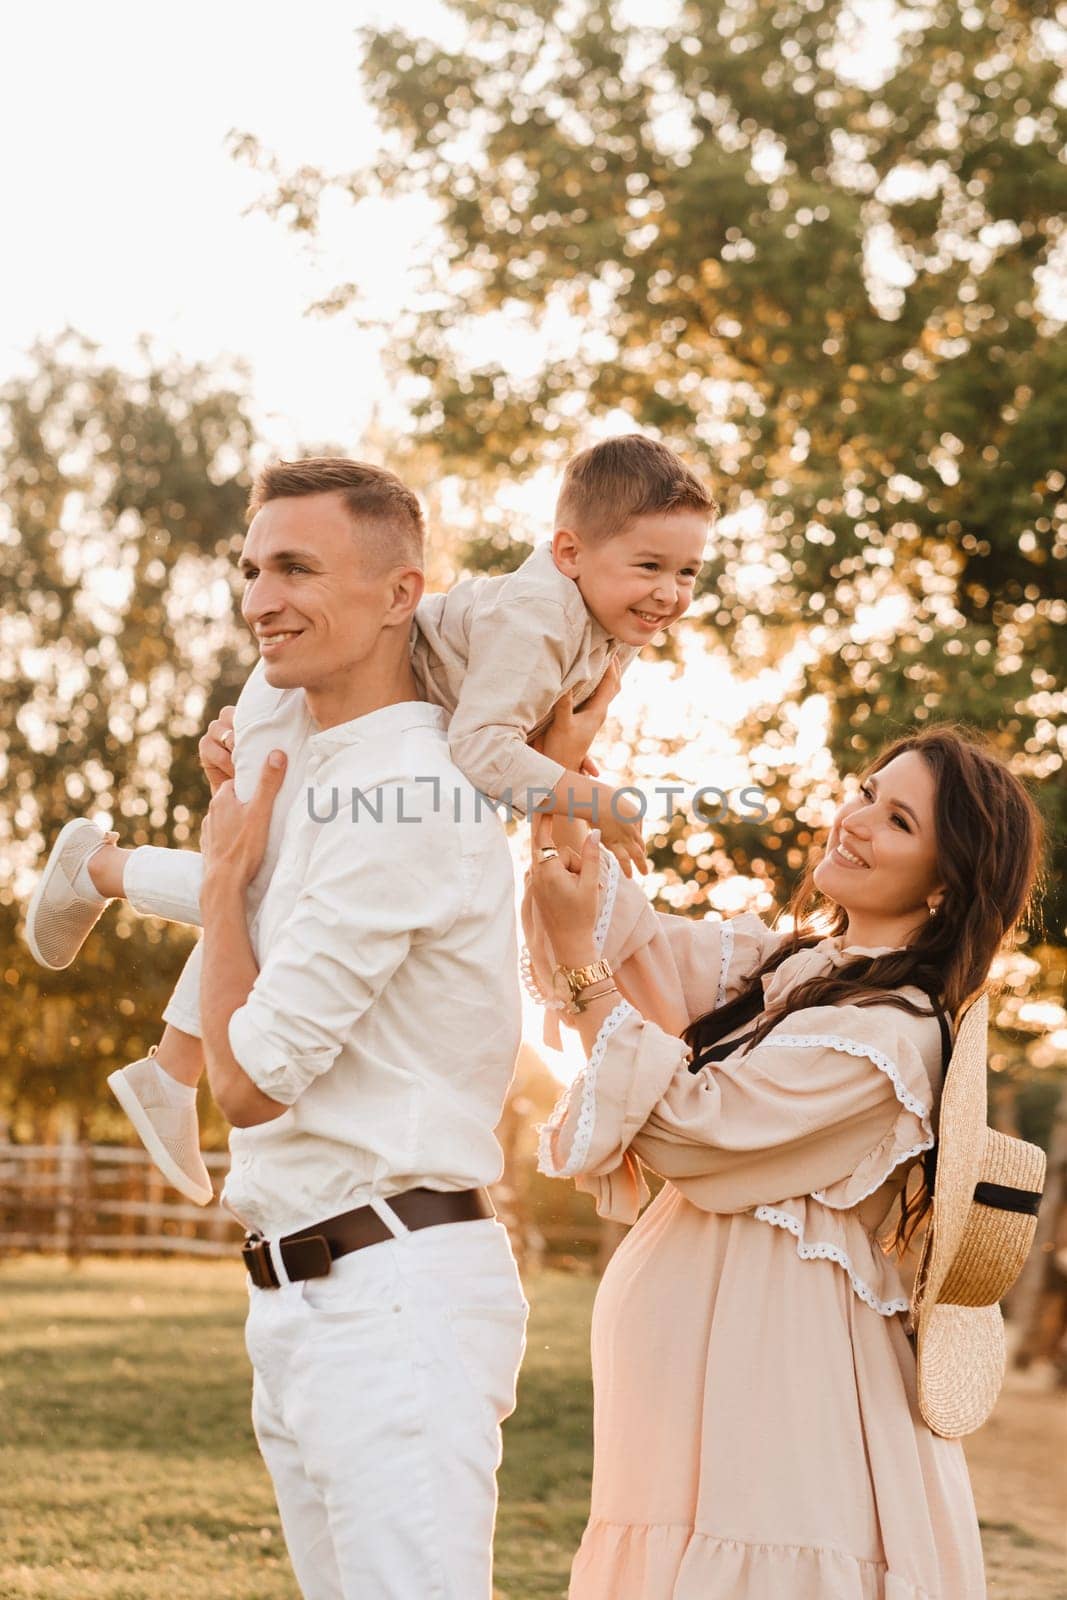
(79, 1198)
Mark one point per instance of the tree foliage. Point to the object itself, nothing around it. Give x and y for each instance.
(842, 294)
(123, 501)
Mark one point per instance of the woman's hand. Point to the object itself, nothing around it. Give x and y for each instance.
(565, 891)
(216, 749)
(569, 735)
(233, 836)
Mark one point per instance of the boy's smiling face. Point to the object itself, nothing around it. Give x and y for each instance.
(637, 582)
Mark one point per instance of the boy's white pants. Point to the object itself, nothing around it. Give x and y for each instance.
(166, 883)
(377, 1402)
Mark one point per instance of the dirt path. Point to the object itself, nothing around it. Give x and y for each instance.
(1018, 1465)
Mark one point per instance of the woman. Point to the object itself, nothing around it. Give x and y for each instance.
(757, 1434)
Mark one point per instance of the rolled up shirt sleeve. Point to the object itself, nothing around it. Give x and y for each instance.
(358, 913)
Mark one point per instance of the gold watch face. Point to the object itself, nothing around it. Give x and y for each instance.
(561, 989)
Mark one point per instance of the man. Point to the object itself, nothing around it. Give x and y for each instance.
(361, 1043)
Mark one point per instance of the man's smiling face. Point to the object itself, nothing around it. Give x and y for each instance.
(314, 599)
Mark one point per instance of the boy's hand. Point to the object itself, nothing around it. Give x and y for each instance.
(216, 749)
(570, 733)
(619, 821)
(233, 836)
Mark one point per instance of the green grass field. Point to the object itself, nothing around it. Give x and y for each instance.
(128, 1470)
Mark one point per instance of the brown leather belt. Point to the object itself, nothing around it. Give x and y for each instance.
(311, 1252)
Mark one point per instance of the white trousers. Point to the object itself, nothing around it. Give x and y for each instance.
(377, 1402)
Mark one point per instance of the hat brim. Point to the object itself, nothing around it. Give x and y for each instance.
(961, 1143)
(961, 1360)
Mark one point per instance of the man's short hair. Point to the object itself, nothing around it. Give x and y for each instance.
(389, 525)
(607, 486)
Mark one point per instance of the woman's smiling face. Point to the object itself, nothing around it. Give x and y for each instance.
(880, 863)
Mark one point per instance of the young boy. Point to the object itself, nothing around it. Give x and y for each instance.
(497, 653)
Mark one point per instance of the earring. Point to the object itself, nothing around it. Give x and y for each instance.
(932, 908)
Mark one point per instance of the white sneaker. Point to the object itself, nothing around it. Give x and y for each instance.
(60, 918)
(169, 1133)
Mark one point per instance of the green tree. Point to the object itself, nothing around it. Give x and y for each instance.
(843, 294)
(123, 497)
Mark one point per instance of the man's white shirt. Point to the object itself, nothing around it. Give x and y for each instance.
(386, 1013)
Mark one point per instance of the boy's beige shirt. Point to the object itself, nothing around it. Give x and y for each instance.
(498, 653)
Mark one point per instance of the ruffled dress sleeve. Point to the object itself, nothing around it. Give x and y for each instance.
(671, 968)
(829, 1104)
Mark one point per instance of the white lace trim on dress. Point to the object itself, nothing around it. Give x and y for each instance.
(828, 1252)
(600, 933)
(855, 1047)
(531, 985)
(607, 909)
(585, 1083)
(878, 1058)
(858, 1199)
(725, 958)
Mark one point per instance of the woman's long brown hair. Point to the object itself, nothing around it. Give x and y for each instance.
(989, 840)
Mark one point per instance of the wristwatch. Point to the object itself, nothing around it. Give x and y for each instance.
(569, 983)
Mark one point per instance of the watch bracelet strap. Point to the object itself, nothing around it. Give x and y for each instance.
(587, 996)
(580, 978)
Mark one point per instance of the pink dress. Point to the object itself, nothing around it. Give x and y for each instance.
(757, 1433)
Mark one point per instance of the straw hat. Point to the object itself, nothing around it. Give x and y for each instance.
(982, 1225)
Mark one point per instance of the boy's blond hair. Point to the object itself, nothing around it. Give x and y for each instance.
(607, 486)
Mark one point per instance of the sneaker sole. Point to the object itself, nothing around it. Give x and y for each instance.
(153, 1144)
(38, 895)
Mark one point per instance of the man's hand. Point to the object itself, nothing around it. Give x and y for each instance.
(570, 733)
(232, 840)
(233, 837)
(216, 749)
